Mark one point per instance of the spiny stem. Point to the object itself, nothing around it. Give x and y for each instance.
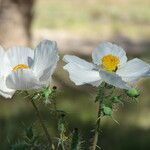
(75, 140)
(99, 97)
(97, 129)
(42, 123)
(62, 145)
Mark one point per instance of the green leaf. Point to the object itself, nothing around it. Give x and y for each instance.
(107, 102)
(61, 123)
(116, 99)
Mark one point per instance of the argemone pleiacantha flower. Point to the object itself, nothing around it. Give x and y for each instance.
(27, 68)
(109, 64)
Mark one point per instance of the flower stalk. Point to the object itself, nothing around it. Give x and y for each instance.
(42, 123)
(96, 136)
(99, 99)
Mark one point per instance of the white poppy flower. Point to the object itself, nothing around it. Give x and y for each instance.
(31, 69)
(109, 65)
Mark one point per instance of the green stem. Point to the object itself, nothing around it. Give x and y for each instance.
(62, 145)
(42, 123)
(97, 128)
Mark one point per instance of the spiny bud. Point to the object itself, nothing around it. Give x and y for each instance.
(133, 93)
(107, 111)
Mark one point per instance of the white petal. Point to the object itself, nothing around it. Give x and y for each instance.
(22, 79)
(4, 91)
(133, 70)
(20, 55)
(6, 94)
(80, 75)
(2, 55)
(108, 48)
(78, 61)
(113, 79)
(96, 83)
(45, 59)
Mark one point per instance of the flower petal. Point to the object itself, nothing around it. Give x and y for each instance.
(107, 48)
(4, 91)
(20, 55)
(2, 55)
(113, 79)
(78, 61)
(22, 79)
(80, 75)
(133, 70)
(7, 94)
(96, 83)
(45, 59)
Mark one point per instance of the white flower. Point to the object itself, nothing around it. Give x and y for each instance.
(30, 69)
(109, 65)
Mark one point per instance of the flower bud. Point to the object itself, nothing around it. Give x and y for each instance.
(134, 93)
(107, 111)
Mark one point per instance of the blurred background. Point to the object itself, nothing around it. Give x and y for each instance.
(78, 26)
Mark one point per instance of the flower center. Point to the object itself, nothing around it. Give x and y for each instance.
(20, 66)
(110, 62)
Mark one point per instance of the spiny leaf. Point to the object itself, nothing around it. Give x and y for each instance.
(116, 99)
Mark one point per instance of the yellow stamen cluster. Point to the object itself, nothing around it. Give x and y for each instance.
(20, 66)
(110, 62)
